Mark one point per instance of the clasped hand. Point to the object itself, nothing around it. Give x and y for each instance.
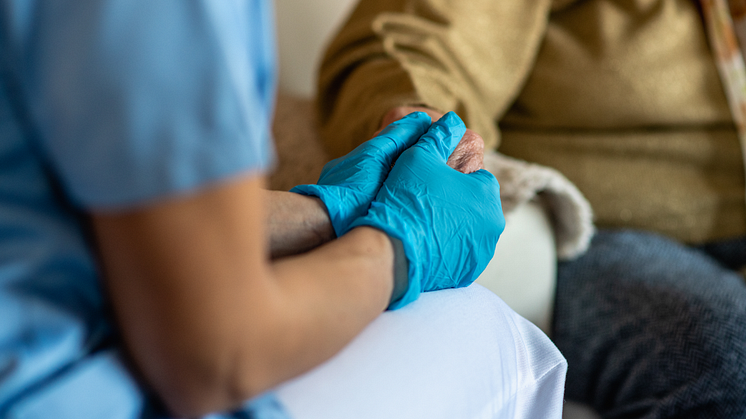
(448, 222)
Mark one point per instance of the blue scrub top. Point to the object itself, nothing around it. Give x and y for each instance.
(106, 105)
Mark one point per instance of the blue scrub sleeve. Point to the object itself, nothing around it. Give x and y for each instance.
(134, 100)
(124, 102)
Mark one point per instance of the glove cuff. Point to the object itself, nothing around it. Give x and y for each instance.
(401, 233)
(336, 216)
(401, 271)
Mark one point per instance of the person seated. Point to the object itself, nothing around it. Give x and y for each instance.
(135, 255)
(624, 99)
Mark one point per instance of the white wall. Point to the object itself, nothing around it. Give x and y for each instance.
(303, 29)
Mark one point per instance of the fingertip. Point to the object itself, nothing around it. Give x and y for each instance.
(420, 120)
(402, 134)
(486, 176)
(445, 134)
(452, 120)
(452, 126)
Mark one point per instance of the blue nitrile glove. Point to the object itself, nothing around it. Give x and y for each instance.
(348, 184)
(447, 221)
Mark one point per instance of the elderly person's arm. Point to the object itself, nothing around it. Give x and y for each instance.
(468, 57)
(296, 223)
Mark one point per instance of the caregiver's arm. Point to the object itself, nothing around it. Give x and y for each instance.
(209, 321)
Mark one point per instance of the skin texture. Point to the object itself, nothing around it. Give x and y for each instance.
(468, 156)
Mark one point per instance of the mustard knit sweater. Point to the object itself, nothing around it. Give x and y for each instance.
(621, 96)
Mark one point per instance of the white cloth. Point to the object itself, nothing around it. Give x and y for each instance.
(460, 353)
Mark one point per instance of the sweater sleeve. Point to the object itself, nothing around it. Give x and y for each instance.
(470, 57)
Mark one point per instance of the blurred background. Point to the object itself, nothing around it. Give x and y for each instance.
(301, 42)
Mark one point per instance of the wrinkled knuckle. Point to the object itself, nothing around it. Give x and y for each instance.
(474, 139)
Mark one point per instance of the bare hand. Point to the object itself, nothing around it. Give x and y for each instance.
(468, 156)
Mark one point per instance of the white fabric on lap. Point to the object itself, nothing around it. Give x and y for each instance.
(460, 353)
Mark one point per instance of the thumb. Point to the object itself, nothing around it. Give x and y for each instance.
(443, 136)
(399, 136)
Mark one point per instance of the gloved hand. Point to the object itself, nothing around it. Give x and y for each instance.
(347, 185)
(469, 153)
(447, 221)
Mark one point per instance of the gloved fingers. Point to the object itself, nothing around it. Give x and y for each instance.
(490, 185)
(389, 144)
(485, 176)
(443, 136)
(399, 136)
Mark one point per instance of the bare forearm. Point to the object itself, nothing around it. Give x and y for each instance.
(295, 223)
(314, 305)
(330, 295)
(208, 319)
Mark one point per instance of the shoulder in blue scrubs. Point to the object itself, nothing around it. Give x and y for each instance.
(109, 105)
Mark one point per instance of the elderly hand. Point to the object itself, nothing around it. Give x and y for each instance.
(347, 185)
(468, 156)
